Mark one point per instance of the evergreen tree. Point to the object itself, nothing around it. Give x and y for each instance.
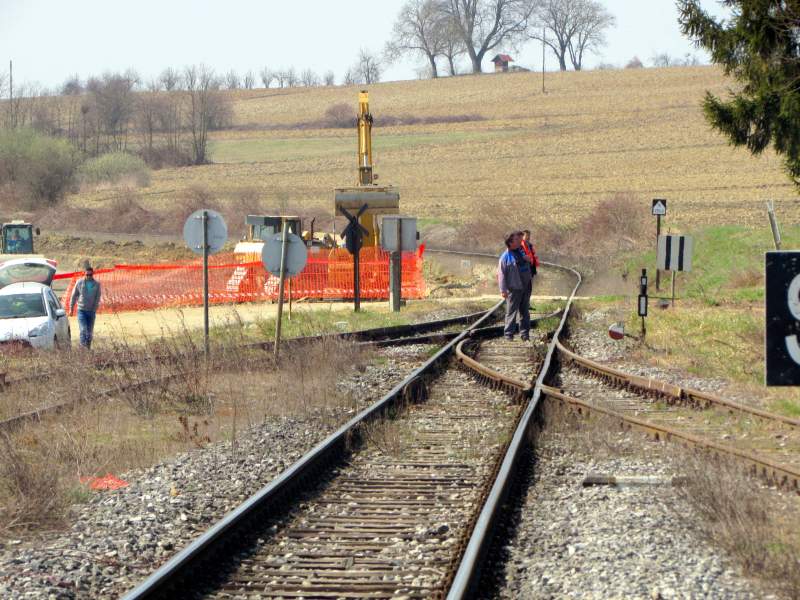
(760, 47)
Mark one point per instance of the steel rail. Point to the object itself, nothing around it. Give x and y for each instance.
(374, 334)
(467, 577)
(776, 473)
(269, 499)
(670, 391)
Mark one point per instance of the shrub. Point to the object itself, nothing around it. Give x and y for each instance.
(42, 167)
(113, 168)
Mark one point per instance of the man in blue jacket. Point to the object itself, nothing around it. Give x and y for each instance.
(86, 294)
(514, 275)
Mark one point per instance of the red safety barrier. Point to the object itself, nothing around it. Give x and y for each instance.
(328, 275)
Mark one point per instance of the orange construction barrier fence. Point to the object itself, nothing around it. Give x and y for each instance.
(328, 275)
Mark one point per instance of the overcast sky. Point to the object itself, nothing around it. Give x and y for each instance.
(50, 39)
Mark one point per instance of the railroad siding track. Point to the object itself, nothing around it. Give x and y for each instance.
(417, 333)
(770, 447)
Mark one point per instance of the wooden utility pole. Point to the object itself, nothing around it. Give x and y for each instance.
(11, 94)
(544, 32)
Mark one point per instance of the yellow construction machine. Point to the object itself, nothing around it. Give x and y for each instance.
(16, 240)
(379, 200)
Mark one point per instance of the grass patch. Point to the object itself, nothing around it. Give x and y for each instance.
(728, 264)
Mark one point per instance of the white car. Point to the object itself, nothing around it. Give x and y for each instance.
(32, 315)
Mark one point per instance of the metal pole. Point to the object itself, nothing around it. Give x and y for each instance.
(773, 223)
(395, 266)
(356, 280)
(658, 233)
(205, 281)
(673, 289)
(280, 287)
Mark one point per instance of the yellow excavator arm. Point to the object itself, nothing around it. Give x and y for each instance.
(365, 176)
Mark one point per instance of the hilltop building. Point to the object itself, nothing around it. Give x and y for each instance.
(501, 63)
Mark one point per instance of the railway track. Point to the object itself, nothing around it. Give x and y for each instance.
(387, 522)
(768, 443)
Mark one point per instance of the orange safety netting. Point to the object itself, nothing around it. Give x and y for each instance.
(328, 275)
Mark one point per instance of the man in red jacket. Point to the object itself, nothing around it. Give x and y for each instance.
(529, 250)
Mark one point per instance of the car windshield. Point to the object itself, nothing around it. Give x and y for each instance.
(19, 306)
(29, 271)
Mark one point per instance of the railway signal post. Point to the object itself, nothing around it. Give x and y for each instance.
(205, 232)
(642, 301)
(674, 254)
(283, 255)
(398, 235)
(658, 209)
(353, 236)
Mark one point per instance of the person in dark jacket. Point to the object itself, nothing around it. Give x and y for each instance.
(514, 276)
(86, 295)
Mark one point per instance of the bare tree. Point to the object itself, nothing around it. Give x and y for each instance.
(249, 80)
(367, 69)
(592, 20)
(663, 59)
(634, 63)
(266, 76)
(72, 86)
(571, 28)
(309, 79)
(280, 78)
(200, 86)
(349, 77)
(329, 78)
(291, 77)
(452, 44)
(170, 79)
(146, 110)
(483, 25)
(555, 24)
(3, 83)
(232, 81)
(115, 103)
(417, 30)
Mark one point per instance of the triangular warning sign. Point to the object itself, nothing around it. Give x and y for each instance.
(659, 207)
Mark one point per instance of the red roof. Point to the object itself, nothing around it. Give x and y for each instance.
(502, 58)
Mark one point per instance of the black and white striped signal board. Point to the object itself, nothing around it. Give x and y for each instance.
(675, 252)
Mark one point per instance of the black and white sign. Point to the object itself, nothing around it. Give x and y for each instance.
(193, 231)
(675, 252)
(296, 254)
(659, 207)
(783, 318)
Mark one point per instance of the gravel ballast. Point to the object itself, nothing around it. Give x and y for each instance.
(610, 542)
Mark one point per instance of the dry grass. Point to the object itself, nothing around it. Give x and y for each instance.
(136, 426)
(756, 525)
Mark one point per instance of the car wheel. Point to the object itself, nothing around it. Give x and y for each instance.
(61, 344)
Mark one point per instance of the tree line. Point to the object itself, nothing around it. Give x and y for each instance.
(443, 30)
